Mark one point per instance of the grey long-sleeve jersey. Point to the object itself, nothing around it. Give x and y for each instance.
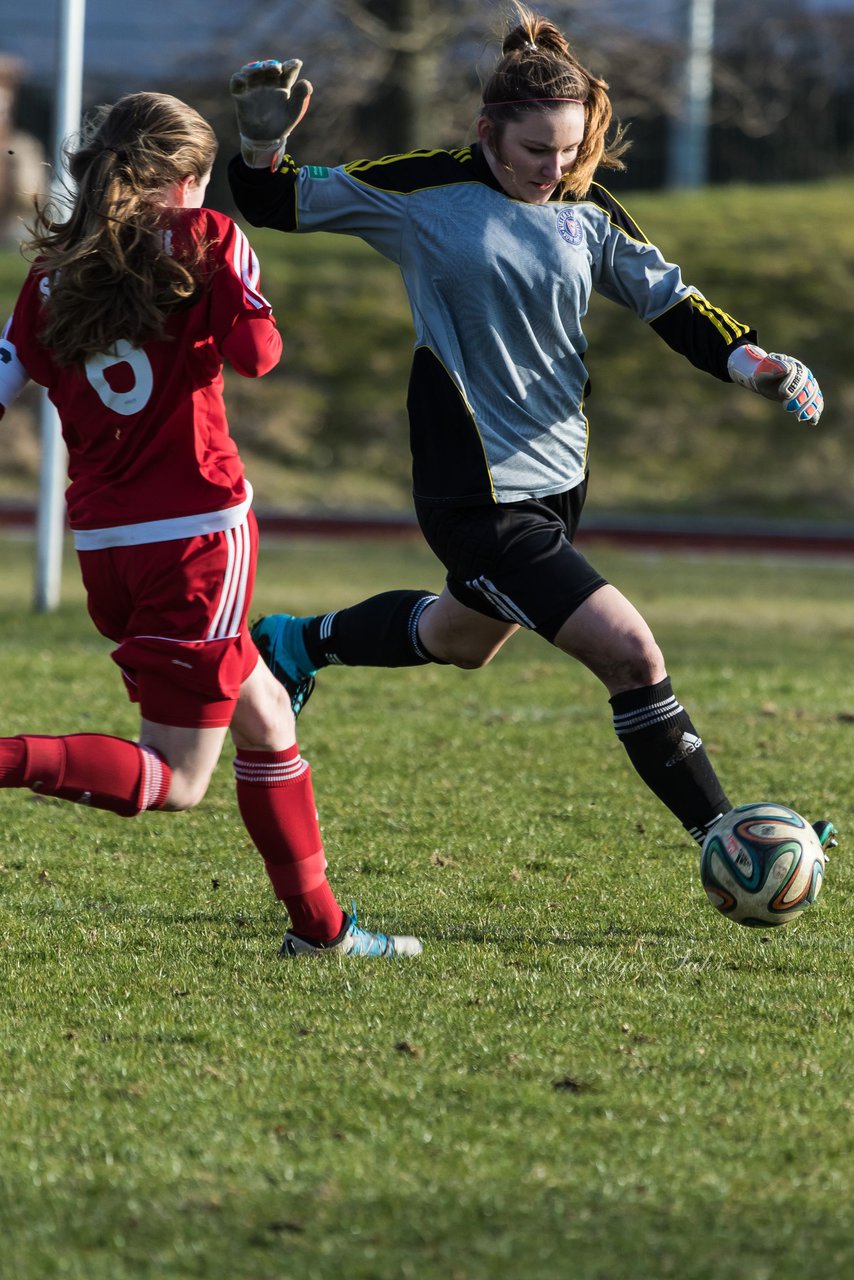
(498, 290)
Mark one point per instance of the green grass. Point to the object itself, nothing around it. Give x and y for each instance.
(588, 1073)
(327, 429)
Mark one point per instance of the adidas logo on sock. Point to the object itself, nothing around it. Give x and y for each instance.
(688, 744)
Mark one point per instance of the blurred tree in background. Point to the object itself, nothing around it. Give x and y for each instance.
(391, 75)
(328, 427)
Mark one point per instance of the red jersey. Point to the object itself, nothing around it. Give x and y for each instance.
(150, 455)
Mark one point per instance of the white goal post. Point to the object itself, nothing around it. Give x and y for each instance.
(51, 511)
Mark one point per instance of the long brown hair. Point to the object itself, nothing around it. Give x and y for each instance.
(538, 72)
(110, 273)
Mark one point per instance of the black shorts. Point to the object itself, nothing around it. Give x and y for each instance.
(513, 561)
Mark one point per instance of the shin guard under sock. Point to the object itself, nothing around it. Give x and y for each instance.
(379, 632)
(276, 801)
(669, 755)
(87, 768)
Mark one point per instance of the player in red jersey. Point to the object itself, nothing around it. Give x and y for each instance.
(129, 310)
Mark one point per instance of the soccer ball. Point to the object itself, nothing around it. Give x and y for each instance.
(761, 865)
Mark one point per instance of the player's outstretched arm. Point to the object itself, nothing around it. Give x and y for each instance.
(778, 377)
(270, 102)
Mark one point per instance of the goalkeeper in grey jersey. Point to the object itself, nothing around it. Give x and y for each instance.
(499, 246)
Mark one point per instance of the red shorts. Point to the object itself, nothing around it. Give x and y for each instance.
(178, 611)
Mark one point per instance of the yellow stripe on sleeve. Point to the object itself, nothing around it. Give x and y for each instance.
(729, 328)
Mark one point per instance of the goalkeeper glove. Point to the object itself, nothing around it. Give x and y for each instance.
(778, 377)
(269, 106)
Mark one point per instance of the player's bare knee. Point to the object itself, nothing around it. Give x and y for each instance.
(461, 651)
(635, 668)
(627, 662)
(652, 663)
(185, 792)
(470, 661)
(263, 720)
(270, 716)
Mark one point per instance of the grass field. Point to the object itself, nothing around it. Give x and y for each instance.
(588, 1074)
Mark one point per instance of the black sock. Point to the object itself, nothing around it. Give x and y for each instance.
(669, 755)
(379, 632)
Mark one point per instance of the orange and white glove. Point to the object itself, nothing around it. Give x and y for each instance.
(270, 102)
(778, 377)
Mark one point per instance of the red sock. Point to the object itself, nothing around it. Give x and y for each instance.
(87, 768)
(276, 802)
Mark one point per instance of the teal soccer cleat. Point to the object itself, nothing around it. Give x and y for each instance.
(353, 941)
(826, 833)
(279, 640)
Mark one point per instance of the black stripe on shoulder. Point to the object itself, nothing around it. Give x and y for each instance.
(620, 217)
(414, 171)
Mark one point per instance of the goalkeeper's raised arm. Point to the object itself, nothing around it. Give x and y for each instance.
(270, 102)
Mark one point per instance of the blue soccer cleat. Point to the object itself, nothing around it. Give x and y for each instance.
(353, 941)
(279, 640)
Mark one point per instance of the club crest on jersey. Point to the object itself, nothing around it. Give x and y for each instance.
(569, 226)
